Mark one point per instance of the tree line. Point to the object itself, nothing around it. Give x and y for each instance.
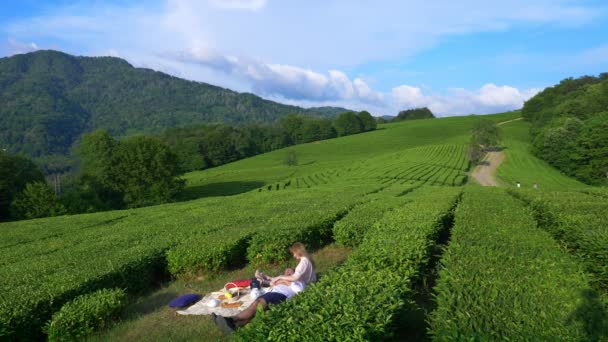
(203, 146)
(569, 127)
(145, 170)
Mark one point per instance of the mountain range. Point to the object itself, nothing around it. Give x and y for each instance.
(48, 99)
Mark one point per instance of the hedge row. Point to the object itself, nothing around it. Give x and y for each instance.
(502, 278)
(578, 220)
(208, 253)
(359, 301)
(128, 249)
(350, 230)
(85, 314)
(313, 228)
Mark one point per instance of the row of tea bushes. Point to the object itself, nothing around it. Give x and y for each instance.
(128, 249)
(358, 301)
(503, 278)
(351, 230)
(578, 220)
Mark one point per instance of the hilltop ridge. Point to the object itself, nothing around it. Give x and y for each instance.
(49, 98)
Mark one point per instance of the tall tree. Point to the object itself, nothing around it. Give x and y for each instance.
(35, 201)
(15, 173)
(592, 151)
(348, 123)
(367, 120)
(145, 172)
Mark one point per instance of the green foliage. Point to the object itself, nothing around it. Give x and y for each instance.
(414, 114)
(312, 228)
(502, 278)
(351, 229)
(569, 127)
(367, 121)
(485, 133)
(592, 150)
(520, 165)
(208, 254)
(85, 314)
(141, 170)
(348, 123)
(360, 300)
(199, 147)
(15, 172)
(37, 200)
(579, 221)
(96, 151)
(145, 171)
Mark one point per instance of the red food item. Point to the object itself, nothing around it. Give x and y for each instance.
(239, 283)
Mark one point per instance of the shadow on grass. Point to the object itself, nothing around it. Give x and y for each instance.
(150, 304)
(592, 314)
(217, 189)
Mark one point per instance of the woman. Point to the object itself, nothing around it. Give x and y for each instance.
(304, 273)
(285, 287)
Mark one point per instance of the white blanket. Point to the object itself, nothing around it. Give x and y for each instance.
(201, 308)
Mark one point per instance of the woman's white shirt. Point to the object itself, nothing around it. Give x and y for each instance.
(304, 272)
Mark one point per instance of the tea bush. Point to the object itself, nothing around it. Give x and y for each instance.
(359, 301)
(85, 314)
(502, 278)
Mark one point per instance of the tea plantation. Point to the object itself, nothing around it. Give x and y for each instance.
(479, 263)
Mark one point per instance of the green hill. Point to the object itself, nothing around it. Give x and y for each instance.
(569, 127)
(395, 196)
(48, 99)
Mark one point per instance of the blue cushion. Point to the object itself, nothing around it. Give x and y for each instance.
(184, 300)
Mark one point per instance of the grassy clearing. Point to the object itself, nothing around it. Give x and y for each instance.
(521, 166)
(149, 318)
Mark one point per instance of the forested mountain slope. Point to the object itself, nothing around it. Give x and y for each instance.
(48, 99)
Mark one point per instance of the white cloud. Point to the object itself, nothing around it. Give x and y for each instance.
(299, 51)
(250, 5)
(16, 47)
(408, 96)
(281, 80)
(490, 98)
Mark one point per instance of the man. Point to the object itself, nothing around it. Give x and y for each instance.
(280, 292)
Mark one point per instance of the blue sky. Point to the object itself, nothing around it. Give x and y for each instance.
(456, 57)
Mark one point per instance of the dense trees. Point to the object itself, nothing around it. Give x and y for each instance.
(15, 173)
(202, 146)
(349, 123)
(413, 114)
(37, 200)
(135, 172)
(569, 127)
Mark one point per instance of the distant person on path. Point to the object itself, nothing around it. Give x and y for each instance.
(284, 288)
(518, 184)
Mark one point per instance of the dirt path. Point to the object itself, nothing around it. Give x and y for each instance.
(505, 122)
(485, 173)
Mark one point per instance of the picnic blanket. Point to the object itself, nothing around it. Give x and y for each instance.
(201, 308)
